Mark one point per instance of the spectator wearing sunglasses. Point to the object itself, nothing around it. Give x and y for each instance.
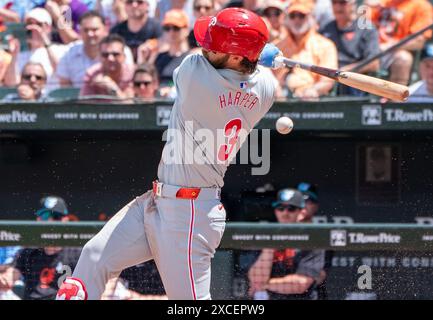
(139, 30)
(40, 268)
(305, 44)
(288, 274)
(201, 8)
(32, 85)
(145, 82)
(112, 76)
(175, 26)
(273, 14)
(354, 44)
(39, 26)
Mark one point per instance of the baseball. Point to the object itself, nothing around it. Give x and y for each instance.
(284, 125)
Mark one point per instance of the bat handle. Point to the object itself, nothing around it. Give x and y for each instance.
(281, 61)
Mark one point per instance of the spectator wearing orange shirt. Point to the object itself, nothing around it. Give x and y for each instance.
(305, 44)
(395, 20)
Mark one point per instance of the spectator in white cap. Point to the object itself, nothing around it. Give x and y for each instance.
(39, 25)
(273, 14)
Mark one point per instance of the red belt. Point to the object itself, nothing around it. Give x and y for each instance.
(182, 193)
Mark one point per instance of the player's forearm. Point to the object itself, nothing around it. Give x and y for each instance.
(290, 284)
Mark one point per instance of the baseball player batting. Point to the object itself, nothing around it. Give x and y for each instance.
(180, 222)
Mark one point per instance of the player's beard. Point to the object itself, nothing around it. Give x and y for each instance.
(219, 63)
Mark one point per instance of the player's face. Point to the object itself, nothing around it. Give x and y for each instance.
(217, 59)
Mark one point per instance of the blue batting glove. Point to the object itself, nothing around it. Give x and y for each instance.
(268, 55)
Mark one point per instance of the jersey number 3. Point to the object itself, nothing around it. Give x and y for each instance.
(231, 131)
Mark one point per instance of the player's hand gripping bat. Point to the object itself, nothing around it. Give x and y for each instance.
(271, 57)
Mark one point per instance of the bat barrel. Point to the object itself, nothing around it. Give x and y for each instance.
(359, 81)
(379, 87)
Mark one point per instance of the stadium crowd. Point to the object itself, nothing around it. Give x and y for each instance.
(128, 49)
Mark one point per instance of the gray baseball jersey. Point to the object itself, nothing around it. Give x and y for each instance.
(182, 234)
(222, 101)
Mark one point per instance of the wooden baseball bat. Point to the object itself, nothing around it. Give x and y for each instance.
(359, 81)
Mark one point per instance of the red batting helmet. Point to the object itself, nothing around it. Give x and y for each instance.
(233, 31)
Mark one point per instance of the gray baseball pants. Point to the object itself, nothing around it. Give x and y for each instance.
(181, 235)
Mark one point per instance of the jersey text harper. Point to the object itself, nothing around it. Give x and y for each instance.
(239, 99)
